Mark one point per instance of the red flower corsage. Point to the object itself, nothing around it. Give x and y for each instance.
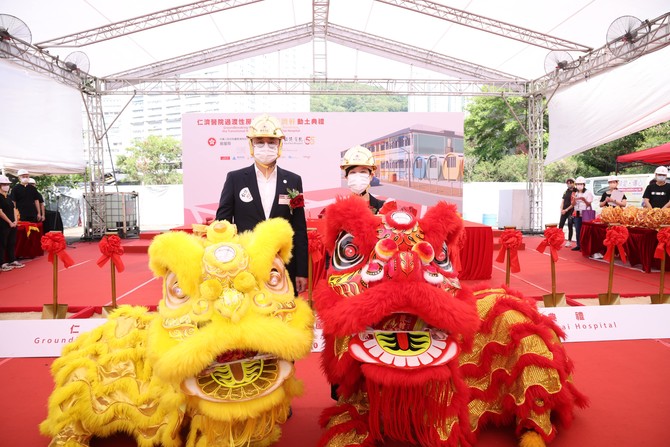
(297, 200)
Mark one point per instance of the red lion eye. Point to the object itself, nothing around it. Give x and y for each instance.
(350, 251)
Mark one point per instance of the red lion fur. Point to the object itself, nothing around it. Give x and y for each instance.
(414, 405)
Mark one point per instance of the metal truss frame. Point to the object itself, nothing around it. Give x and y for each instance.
(320, 25)
(488, 25)
(144, 22)
(312, 86)
(473, 80)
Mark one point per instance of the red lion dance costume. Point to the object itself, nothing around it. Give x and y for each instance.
(418, 358)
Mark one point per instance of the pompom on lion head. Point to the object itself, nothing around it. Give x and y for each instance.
(229, 326)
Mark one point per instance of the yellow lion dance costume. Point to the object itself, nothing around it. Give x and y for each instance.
(218, 355)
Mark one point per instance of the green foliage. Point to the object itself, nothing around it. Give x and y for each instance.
(601, 160)
(491, 129)
(154, 161)
(356, 103)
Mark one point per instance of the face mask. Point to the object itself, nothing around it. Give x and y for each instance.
(5, 188)
(265, 154)
(24, 181)
(580, 187)
(660, 178)
(358, 182)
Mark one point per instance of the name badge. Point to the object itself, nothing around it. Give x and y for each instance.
(284, 199)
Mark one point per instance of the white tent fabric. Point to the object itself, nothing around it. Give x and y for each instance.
(40, 124)
(628, 99)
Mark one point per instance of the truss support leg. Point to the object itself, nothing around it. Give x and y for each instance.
(95, 222)
(535, 160)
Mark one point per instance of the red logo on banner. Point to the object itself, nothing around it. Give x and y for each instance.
(211, 141)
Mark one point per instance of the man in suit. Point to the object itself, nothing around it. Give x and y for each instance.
(261, 191)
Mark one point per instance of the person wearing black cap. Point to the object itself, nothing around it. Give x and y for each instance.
(567, 208)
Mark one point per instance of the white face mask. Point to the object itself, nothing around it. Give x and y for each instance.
(660, 178)
(265, 154)
(358, 182)
(580, 187)
(24, 181)
(5, 188)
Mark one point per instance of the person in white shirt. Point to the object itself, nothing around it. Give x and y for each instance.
(581, 201)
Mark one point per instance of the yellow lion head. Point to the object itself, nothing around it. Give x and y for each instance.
(229, 327)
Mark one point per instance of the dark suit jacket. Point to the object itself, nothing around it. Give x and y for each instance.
(247, 214)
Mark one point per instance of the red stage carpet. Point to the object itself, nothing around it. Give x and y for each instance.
(626, 382)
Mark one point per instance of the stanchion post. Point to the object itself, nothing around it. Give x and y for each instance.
(508, 262)
(609, 298)
(661, 297)
(54, 310)
(112, 306)
(553, 299)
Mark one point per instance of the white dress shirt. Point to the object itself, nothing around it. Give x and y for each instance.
(267, 188)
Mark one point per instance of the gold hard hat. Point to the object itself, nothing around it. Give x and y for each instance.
(265, 126)
(358, 156)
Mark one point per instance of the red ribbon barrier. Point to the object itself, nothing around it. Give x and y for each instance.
(553, 238)
(54, 243)
(616, 236)
(663, 243)
(510, 239)
(110, 247)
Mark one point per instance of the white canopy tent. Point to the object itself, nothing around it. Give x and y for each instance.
(145, 46)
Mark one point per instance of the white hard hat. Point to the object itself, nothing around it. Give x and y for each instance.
(22, 172)
(31, 181)
(4, 180)
(612, 178)
(662, 170)
(580, 180)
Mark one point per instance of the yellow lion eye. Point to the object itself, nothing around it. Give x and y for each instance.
(275, 278)
(177, 292)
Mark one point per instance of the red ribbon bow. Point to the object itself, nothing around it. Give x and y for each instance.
(315, 245)
(54, 243)
(110, 247)
(553, 238)
(510, 239)
(663, 243)
(616, 236)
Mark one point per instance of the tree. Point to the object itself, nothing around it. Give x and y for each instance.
(154, 161)
(491, 129)
(601, 160)
(356, 103)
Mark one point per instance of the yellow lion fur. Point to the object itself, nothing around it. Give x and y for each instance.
(127, 375)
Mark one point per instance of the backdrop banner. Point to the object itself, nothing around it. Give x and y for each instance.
(419, 156)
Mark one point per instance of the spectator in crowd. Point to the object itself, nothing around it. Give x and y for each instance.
(566, 209)
(33, 184)
(359, 168)
(581, 201)
(25, 199)
(657, 193)
(262, 191)
(613, 197)
(8, 224)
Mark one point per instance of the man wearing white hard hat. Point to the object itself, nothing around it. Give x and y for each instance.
(581, 201)
(8, 223)
(613, 197)
(657, 194)
(25, 199)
